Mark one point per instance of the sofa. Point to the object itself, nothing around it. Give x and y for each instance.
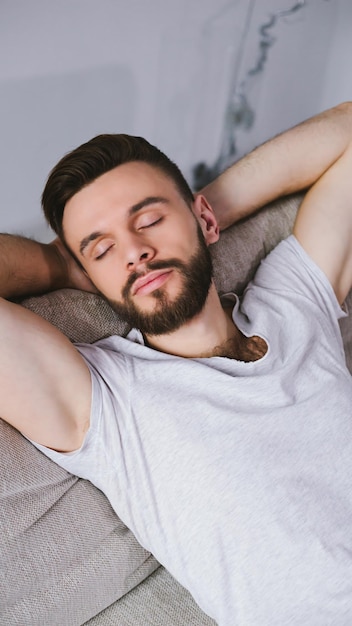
(65, 557)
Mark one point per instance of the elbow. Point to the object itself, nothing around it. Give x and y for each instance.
(344, 107)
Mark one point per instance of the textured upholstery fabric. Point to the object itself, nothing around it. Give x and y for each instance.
(64, 554)
(145, 605)
(82, 317)
(240, 249)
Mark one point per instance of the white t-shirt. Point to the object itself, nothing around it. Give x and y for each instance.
(236, 475)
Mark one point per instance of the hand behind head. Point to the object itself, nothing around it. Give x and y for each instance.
(74, 277)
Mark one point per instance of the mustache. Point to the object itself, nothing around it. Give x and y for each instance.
(149, 267)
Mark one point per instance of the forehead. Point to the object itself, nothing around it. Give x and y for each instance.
(112, 194)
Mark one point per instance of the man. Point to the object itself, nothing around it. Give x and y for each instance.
(220, 432)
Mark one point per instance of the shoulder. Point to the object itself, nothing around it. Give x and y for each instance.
(290, 274)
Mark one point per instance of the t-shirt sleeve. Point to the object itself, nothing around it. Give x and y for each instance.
(107, 370)
(290, 271)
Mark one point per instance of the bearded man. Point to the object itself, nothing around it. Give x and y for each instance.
(219, 430)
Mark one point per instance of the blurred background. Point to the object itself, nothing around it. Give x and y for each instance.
(205, 80)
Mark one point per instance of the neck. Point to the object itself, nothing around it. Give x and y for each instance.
(202, 335)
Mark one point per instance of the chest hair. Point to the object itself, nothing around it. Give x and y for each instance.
(242, 348)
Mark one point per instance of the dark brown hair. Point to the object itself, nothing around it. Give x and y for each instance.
(101, 154)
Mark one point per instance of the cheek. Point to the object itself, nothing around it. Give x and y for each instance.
(180, 241)
(107, 281)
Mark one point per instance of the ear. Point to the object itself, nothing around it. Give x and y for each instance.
(206, 218)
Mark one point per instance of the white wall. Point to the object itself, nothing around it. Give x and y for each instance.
(164, 69)
(338, 77)
(75, 68)
(289, 87)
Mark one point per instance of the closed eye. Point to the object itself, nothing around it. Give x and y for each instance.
(102, 254)
(154, 223)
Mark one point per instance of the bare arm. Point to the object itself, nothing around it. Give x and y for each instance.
(28, 268)
(292, 161)
(315, 154)
(45, 383)
(324, 224)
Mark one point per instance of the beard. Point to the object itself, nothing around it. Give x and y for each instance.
(170, 314)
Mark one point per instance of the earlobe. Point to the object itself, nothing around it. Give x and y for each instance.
(206, 218)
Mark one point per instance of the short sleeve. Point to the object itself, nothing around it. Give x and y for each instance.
(109, 404)
(288, 269)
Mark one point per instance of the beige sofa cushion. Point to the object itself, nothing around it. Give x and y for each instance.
(64, 554)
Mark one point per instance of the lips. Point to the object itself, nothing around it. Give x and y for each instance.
(149, 282)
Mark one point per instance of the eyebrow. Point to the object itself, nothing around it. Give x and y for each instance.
(135, 208)
(87, 240)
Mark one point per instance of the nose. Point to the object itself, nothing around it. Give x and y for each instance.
(138, 252)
